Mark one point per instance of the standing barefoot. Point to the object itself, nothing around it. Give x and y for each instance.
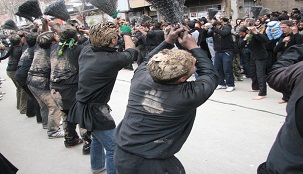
(258, 98)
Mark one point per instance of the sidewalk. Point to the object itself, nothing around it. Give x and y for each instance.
(232, 133)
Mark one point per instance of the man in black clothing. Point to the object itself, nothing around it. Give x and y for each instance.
(286, 154)
(224, 47)
(99, 65)
(255, 42)
(162, 107)
(149, 40)
(64, 82)
(20, 77)
(286, 40)
(14, 53)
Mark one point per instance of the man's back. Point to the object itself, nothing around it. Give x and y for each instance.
(165, 117)
(159, 117)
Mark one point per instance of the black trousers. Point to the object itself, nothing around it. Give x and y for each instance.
(33, 108)
(141, 56)
(6, 166)
(262, 169)
(258, 75)
(127, 163)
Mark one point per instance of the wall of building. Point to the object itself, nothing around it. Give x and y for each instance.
(198, 8)
(279, 5)
(237, 9)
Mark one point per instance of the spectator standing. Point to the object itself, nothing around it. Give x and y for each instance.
(224, 47)
(287, 39)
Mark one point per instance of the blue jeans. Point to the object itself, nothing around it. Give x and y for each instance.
(224, 64)
(102, 139)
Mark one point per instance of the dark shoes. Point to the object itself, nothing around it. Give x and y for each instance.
(86, 148)
(73, 142)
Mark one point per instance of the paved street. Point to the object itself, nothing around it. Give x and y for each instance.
(232, 133)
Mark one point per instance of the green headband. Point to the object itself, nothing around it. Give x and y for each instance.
(70, 44)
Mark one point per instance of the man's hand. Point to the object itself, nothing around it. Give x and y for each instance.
(246, 36)
(44, 21)
(53, 25)
(188, 41)
(254, 30)
(174, 34)
(286, 39)
(126, 30)
(83, 31)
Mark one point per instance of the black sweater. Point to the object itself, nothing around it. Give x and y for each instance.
(256, 45)
(223, 40)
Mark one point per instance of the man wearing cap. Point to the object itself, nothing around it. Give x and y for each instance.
(99, 65)
(162, 106)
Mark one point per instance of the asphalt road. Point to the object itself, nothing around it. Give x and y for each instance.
(232, 133)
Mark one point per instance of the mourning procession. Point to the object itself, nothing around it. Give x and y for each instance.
(151, 86)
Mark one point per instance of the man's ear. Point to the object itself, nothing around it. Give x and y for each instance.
(182, 79)
(113, 40)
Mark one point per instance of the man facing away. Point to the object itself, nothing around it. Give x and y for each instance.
(99, 65)
(286, 154)
(162, 107)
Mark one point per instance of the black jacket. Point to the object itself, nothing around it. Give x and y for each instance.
(24, 66)
(294, 39)
(155, 126)
(98, 70)
(286, 75)
(223, 40)
(256, 45)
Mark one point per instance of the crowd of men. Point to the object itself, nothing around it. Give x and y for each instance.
(65, 72)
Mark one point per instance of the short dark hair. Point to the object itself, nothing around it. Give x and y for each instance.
(157, 25)
(224, 19)
(31, 39)
(283, 17)
(191, 25)
(243, 29)
(67, 32)
(45, 39)
(287, 22)
(217, 23)
(14, 39)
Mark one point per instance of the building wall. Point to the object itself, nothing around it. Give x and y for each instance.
(237, 9)
(138, 3)
(195, 8)
(198, 8)
(279, 5)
